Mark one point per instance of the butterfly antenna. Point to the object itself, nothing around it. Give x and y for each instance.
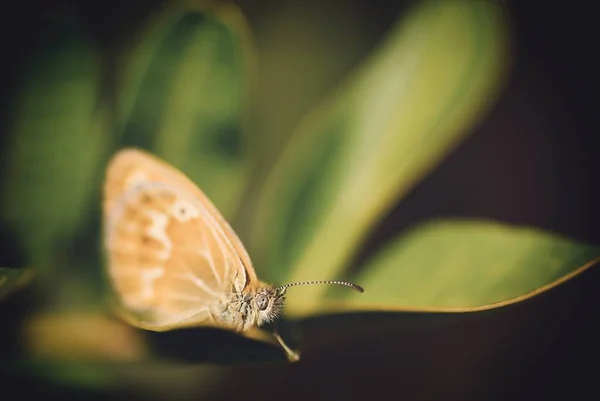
(346, 283)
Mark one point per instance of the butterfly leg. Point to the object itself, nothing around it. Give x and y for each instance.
(291, 354)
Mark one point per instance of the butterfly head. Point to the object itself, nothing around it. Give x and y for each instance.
(264, 303)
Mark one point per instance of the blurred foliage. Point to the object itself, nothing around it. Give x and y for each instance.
(12, 279)
(91, 337)
(182, 89)
(360, 151)
(56, 143)
(199, 131)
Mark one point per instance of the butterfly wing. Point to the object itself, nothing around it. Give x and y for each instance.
(171, 255)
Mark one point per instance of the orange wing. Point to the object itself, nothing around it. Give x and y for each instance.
(171, 255)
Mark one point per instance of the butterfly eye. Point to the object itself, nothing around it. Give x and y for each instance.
(262, 302)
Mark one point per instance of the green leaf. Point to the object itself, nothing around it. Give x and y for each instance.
(434, 77)
(57, 141)
(463, 265)
(99, 380)
(183, 95)
(13, 279)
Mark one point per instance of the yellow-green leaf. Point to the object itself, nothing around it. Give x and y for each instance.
(81, 337)
(13, 279)
(463, 265)
(433, 78)
(183, 95)
(55, 142)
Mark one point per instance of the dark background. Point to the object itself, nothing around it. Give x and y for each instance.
(531, 162)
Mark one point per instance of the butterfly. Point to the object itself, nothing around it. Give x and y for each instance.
(173, 261)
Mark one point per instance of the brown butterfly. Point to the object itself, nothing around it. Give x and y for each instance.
(173, 260)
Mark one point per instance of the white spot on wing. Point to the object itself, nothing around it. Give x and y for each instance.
(136, 178)
(157, 230)
(183, 211)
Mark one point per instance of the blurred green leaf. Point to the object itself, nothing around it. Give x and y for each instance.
(462, 265)
(148, 380)
(13, 279)
(358, 153)
(184, 92)
(72, 376)
(89, 336)
(57, 140)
